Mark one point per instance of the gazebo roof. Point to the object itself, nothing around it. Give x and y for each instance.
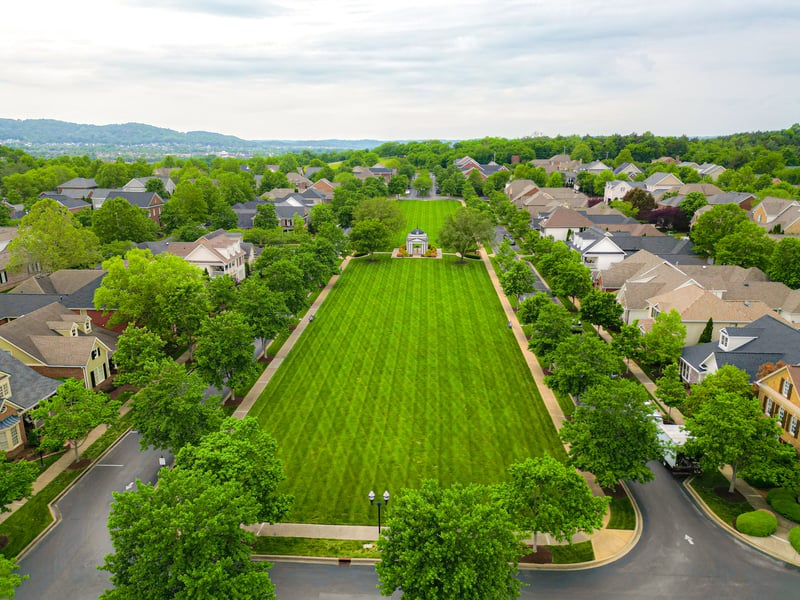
(417, 231)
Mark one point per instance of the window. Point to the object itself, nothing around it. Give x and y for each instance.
(768, 407)
(723, 340)
(14, 436)
(786, 387)
(781, 413)
(793, 426)
(3, 276)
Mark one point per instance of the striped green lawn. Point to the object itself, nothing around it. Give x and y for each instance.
(408, 372)
(428, 215)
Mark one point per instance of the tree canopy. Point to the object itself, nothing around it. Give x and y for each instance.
(224, 351)
(464, 230)
(119, 220)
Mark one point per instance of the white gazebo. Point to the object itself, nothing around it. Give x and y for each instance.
(417, 242)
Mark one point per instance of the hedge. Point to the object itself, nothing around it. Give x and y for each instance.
(784, 502)
(759, 523)
(794, 538)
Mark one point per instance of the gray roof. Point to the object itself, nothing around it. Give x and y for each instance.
(65, 200)
(79, 183)
(666, 247)
(140, 199)
(13, 305)
(27, 386)
(155, 248)
(774, 340)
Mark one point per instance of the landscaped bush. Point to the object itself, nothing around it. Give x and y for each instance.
(784, 502)
(759, 523)
(794, 538)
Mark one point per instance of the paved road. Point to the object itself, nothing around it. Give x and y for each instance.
(65, 564)
(663, 565)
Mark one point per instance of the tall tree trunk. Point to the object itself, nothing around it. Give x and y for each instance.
(535, 540)
(75, 448)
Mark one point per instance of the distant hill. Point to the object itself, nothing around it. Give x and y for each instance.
(49, 136)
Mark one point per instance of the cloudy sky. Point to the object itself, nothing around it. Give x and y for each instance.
(406, 69)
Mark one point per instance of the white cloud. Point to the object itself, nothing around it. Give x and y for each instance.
(422, 69)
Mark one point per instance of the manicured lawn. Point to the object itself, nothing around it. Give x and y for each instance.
(572, 553)
(706, 484)
(428, 215)
(408, 372)
(296, 546)
(622, 514)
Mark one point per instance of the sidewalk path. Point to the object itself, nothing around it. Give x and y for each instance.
(272, 367)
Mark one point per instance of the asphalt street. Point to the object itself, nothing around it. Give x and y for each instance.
(64, 565)
(681, 554)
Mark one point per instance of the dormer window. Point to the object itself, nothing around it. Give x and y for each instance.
(87, 325)
(786, 388)
(723, 340)
(73, 331)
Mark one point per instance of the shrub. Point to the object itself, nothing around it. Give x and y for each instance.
(784, 502)
(758, 523)
(794, 538)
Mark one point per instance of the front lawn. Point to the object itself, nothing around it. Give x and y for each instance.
(711, 487)
(408, 372)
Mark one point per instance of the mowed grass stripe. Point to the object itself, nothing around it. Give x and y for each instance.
(428, 215)
(408, 372)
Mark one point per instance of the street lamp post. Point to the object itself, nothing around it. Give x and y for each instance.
(372, 500)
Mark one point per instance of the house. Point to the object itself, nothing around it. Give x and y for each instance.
(766, 340)
(77, 185)
(743, 200)
(780, 400)
(277, 193)
(540, 202)
(597, 248)
(217, 253)
(246, 212)
(595, 167)
(710, 170)
(467, 164)
(290, 208)
(74, 288)
(560, 163)
(150, 202)
(300, 182)
(697, 305)
(21, 390)
(616, 189)
(563, 222)
(56, 342)
(777, 215)
(73, 205)
(139, 184)
(660, 181)
(326, 187)
(629, 169)
(650, 276)
(8, 278)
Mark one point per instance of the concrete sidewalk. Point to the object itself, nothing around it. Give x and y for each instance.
(272, 367)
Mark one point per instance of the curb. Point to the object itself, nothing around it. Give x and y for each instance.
(56, 514)
(732, 530)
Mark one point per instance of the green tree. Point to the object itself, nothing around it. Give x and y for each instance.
(582, 152)
(730, 429)
(72, 413)
(190, 202)
(613, 434)
(287, 277)
(552, 326)
(264, 309)
(451, 543)
(628, 342)
(580, 362)
(139, 352)
(748, 246)
(288, 164)
(422, 183)
(670, 389)
(133, 286)
(9, 580)
(465, 230)
(555, 179)
(370, 235)
(716, 224)
(381, 209)
(505, 255)
(241, 451)
(222, 292)
(692, 202)
(544, 495)
(572, 279)
(266, 216)
(112, 175)
(398, 184)
(727, 379)
(224, 349)
(16, 482)
(154, 184)
(184, 539)
(640, 199)
(600, 182)
(708, 332)
(518, 280)
(529, 308)
(663, 344)
(601, 308)
(171, 410)
(118, 220)
(48, 236)
(785, 263)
